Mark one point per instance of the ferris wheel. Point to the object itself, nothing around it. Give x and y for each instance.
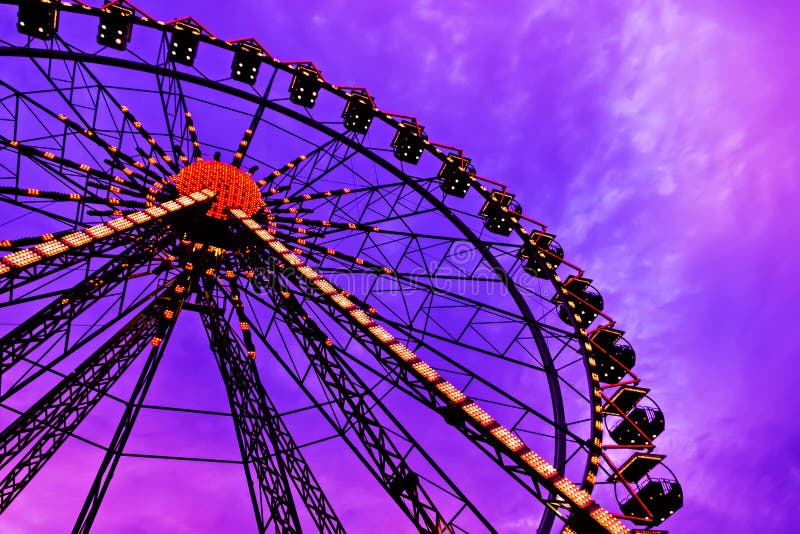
(349, 274)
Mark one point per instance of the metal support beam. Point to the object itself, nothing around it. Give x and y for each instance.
(269, 453)
(173, 304)
(56, 317)
(356, 401)
(51, 420)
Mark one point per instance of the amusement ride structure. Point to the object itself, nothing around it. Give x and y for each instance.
(367, 266)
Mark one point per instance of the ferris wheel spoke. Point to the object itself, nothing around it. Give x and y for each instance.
(490, 393)
(77, 83)
(178, 119)
(269, 453)
(329, 194)
(101, 88)
(55, 318)
(33, 263)
(29, 208)
(55, 165)
(171, 301)
(414, 281)
(50, 421)
(287, 168)
(318, 165)
(339, 227)
(72, 345)
(84, 130)
(26, 192)
(508, 450)
(308, 488)
(247, 136)
(359, 404)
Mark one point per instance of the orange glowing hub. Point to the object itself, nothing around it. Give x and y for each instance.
(234, 187)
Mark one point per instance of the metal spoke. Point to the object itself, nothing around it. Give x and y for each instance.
(268, 450)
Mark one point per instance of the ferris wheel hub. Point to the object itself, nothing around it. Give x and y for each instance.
(234, 187)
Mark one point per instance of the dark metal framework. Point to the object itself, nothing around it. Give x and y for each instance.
(382, 276)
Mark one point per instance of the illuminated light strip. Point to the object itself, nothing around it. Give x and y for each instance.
(511, 442)
(99, 231)
(362, 318)
(325, 286)
(171, 205)
(139, 217)
(156, 212)
(328, 224)
(331, 252)
(54, 247)
(291, 165)
(326, 194)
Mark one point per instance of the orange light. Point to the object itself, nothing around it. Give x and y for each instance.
(156, 212)
(76, 239)
(235, 188)
(51, 249)
(427, 372)
(362, 317)
(450, 391)
(99, 231)
(477, 414)
(507, 438)
(539, 464)
(22, 258)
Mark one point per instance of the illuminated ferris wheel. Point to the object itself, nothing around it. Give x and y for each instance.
(351, 276)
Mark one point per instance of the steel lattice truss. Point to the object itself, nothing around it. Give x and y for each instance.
(344, 268)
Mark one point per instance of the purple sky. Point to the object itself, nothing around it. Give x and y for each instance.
(659, 141)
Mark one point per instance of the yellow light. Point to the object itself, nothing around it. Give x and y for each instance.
(51, 249)
(325, 286)
(362, 317)
(343, 302)
(450, 391)
(171, 205)
(478, 414)
(427, 372)
(382, 335)
(76, 239)
(99, 231)
(139, 217)
(611, 523)
(507, 438)
(22, 258)
(156, 212)
(539, 464)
